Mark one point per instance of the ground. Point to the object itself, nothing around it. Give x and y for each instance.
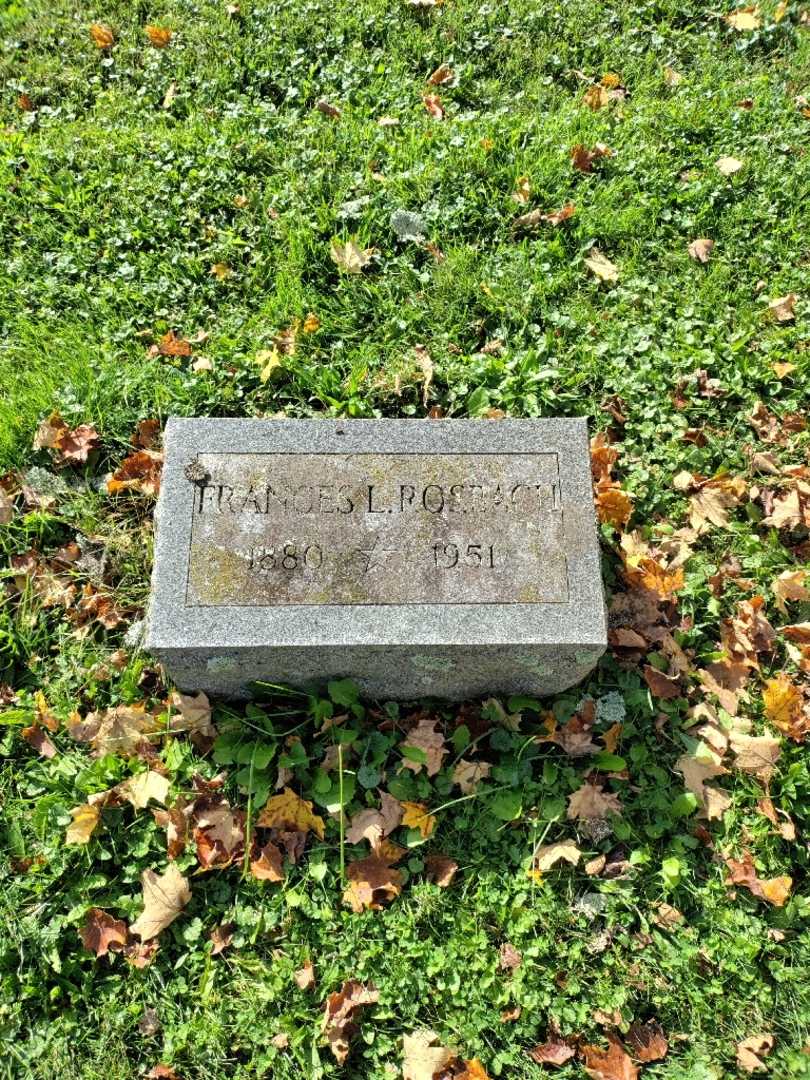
(175, 220)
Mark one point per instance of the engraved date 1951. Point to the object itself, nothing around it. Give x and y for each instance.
(450, 555)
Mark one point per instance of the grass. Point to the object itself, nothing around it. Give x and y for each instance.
(116, 202)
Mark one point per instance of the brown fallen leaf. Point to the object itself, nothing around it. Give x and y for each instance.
(125, 730)
(325, 107)
(583, 158)
(139, 472)
(102, 35)
(752, 1050)
(25, 102)
(305, 976)
(159, 36)
(614, 506)
(425, 738)
(701, 249)
(433, 106)
(556, 1050)
(172, 345)
(742, 872)
(798, 632)
(69, 446)
(440, 869)
(342, 1015)
(221, 937)
(372, 883)
(146, 435)
(523, 190)
(537, 217)
(469, 774)
(164, 897)
(789, 586)
(663, 686)
(590, 801)
(596, 97)
(612, 1064)
(290, 812)
(442, 75)
(782, 309)
(36, 737)
(647, 1042)
(267, 864)
(101, 933)
(755, 754)
(192, 714)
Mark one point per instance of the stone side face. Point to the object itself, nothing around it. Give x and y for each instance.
(420, 558)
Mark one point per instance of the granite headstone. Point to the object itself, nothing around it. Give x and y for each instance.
(447, 558)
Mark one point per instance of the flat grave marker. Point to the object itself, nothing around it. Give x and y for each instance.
(448, 558)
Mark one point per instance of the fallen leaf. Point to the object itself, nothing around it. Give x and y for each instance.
(25, 102)
(341, 1015)
(590, 801)
(742, 872)
(596, 97)
(192, 714)
(305, 976)
(788, 586)
(556, 1050)
(747, 18)
(69, 446)
(752, 1050)
(38, 739)
(221, 937)
(614, 506)
(782, 309)
(159, 36)
(311, 324)
(611, 1064)
(440, 869)
(85, 821)
(701, 249)
(164, 897)
(728, 166)
(433, 105)
(101, 933)
(426, 367)
(415, 815)
(143, 786)
(372, 883)
(349, 258)
(672, 77)
(332, 111)
(647, 1042)
(267, 864)
(102, 36)
(125, 730)
(425, 738)
(443, 74)
(785, 708)
(601, 266)
(172, 345)
(290, 812)
(783, 825)
(726, 680)
(509, 959)
(583, 158)
(523, 190)
(798, 632)
(423, 1056)
(139, 472)
(169, 96)
(469, 774)
(755, 754)
(663, 686)
(548, 855)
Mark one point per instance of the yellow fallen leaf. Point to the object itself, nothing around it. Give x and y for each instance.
(415, 815)
(601, 266)
(102, 35)
(548, 855)
(747, 18)
(783, 703)
(85, 821)
(159, 36)
(290, 812)
(311, 324)
(596, 97)
(270, 361)
(728, 166)
(349, 258)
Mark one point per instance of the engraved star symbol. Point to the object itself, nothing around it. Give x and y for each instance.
(373, 556)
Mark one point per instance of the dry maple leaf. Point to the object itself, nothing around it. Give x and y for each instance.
(36, 737)
(614, 506)
(423, 1056)
(596, 97)
(612, 1064)
(139, 472)
(601, 266)
(548, 855)
(102, 36)
(341, 1016)
(305, 976)
(742, 872)
(143, 786)
(785, 708)
(647, 1042)
(124, 730)
(748, 633)
(84, 824)
(433, 106)
(583, 158)
(469, 774)
(747, 18)
(696, 770)
(415, 815)
(556, 1050)
(373, 882)
(714, 500)
(790, 585)
(728, 166)
(440, 869)
(798, 632)
(221, 937)
(172, 345)
(426, 738)
(291, 813)
(701, 249)
(193, 715)
(782, 309)
(726, 680)
(101, 933)
(159, 36)
(590, 801)
(349, 258)
(752, 1050)
(164, 897)
(663, 686)
(146, 434)
(267, 864)
(755, 754)
(70, 446)
(443, 74)
(219, 834)
(523, 190)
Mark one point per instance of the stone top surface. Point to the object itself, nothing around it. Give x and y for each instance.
(310, 532)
